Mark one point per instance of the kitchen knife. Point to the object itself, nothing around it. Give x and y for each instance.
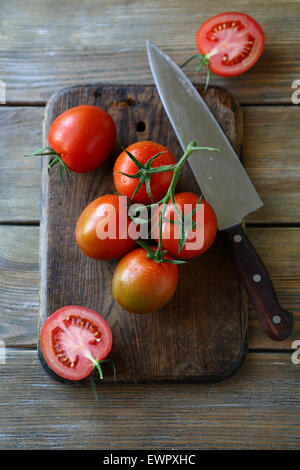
(224, 184)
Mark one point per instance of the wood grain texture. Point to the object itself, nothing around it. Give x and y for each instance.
(196, 336)
(271, 157)
(19, 285)
(258, 408)
(270, 154)
(279, 248)
(49, 45)
(20, 133)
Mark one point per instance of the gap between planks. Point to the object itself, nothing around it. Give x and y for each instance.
(43, 104)
(25, 348)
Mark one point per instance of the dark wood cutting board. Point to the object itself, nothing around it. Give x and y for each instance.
(201, 334)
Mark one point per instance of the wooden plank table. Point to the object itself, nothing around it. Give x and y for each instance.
(47, 45)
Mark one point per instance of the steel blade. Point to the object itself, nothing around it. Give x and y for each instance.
(221, 176)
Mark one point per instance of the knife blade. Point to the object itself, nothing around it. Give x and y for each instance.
(221, 176)
(223, 182)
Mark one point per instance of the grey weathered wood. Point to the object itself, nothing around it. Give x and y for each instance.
(20, 132)
(258, 408)
(49, 45)
(271, 157)
(19, 284)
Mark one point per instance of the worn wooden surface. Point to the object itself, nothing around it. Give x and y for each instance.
(279, 248)
(47, 45)
(250, 410)
(270, 155)
(212, 342)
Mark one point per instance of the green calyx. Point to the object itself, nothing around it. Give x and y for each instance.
(56, 159)
(159, 255)
(145, 172)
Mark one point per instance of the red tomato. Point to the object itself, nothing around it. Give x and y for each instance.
(171, 231)
(141, 285)
(73, 336)
(83, 136)
(233, 42)
(99, 233)
(159, 182)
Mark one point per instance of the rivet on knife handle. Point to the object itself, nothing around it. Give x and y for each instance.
(275, 321)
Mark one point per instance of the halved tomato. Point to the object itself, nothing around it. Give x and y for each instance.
(232, 42)
(73, 340)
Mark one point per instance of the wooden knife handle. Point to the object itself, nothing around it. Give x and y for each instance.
(276, 322)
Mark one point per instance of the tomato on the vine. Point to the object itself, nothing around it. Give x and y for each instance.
(158, 182)
(142, 285)
(232, 42)
(205, 230)
(102, 230)
(79, 139)
(83, 136)
(74, 340)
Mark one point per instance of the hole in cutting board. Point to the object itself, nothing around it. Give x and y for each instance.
(140, 126)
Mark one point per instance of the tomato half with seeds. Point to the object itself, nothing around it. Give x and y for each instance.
(73, 339)
(141, 285)
(232, 42)
(159, 182)
(198, 239)
(102, 230)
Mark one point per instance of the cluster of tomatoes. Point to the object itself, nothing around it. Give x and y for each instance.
(142, 282)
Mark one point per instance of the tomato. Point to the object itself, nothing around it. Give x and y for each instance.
(99, 233)
(159, 182)
(232, 41)
(73, 339)
(83, 137)
(171, 232)
(141, 285)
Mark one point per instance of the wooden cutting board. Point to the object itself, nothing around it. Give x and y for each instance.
(201, 334)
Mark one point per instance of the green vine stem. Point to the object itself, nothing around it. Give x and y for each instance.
(97, 366)
(56, 159)
(158, 255)
(204, 62)
(144, 172)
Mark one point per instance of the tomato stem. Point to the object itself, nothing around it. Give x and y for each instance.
(97, 365)
(204, 62)
(56, 159)
(144, 173)
(158, 255)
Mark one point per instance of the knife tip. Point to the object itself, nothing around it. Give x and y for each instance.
(150, 45)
